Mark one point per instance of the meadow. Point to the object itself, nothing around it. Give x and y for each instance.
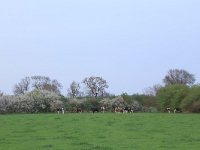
(107, 131)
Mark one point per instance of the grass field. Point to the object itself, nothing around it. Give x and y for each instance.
(100, 131)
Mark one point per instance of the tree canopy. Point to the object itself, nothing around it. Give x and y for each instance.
(179, 76)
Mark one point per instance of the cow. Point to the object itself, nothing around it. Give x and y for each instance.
(61, 110)
(102, 109)
(119, 110)
(178, 110)
(168, 110)
(127, 110)
(79, 110)
(95, 109)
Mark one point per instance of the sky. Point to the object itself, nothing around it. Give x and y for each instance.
(131, 44)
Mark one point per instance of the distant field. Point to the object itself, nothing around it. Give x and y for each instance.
(100, 131)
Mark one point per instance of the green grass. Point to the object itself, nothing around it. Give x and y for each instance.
(100, 131)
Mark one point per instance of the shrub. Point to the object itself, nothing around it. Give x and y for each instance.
(191, 102)
(118, 102)
(35, 101)
(5, 103)
(172, 96)
(107, 103)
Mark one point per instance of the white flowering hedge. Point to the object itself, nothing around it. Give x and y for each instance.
(32, 102)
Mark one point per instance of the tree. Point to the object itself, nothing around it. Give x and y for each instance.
(73, 90)
(1, 93)
(176, 76)
(23, 86)
(152, 91)
(45, 83)
(37, 83)
(53, 86)
(96, 85)
(191, 102)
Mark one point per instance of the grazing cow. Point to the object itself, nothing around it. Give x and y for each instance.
(127, 110)
(60, 110)
(79, 110)
(119, 110)
(94, 109)
(168, 109)
(103, 109)
(130, 110)
(176, 109)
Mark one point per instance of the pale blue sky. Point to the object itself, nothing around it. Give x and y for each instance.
(132, 44)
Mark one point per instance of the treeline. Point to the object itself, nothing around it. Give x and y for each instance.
(39, 101)
(41, 94)
(181, 96)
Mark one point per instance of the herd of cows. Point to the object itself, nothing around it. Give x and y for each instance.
(97, 109)
(116, 110)
(175, 110)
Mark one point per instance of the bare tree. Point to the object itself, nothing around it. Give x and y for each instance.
(38, 82)
(1, 93)
(23, 86)
(53, 86)
(45, 83)
(152, 91)
(95, 85)
(74, 89)
(176, 76)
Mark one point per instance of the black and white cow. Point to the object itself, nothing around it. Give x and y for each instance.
(178, 110)
(119, 110)
(168, 110)
(60, 110)
(128, 110)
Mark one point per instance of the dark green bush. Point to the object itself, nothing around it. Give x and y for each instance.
(171, 96)
(191, 102)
